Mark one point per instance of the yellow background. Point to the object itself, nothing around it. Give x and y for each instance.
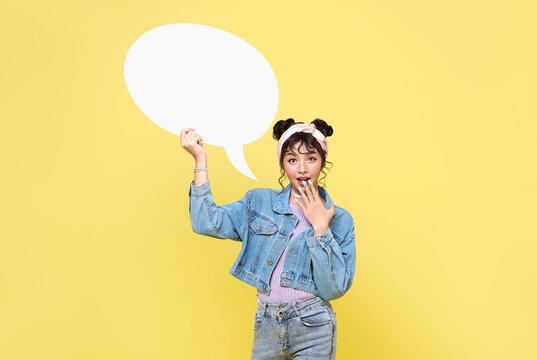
(434, 109)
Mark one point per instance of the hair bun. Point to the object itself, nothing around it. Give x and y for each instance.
(280, 127)
(323, 127)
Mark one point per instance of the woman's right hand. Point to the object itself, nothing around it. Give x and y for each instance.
(192, 142)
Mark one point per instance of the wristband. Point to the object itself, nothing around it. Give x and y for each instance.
(200, 169)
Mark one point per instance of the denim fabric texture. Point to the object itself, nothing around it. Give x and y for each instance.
(297, 330)
(321, 264)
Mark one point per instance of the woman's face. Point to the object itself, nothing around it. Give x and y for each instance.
(301, 164)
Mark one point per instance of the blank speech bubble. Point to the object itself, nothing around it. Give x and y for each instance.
(191, 75)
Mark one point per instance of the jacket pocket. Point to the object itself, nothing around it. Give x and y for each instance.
(262, 226)
(316, 317)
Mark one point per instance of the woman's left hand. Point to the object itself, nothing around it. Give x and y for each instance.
(313, 208)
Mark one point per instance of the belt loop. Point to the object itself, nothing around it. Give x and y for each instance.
(296, 309)
(261, 307)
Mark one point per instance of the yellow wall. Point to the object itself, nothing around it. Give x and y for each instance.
(433, 105)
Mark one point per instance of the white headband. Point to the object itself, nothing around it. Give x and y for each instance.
(306, 128)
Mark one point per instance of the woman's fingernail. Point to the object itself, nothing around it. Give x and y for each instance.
(300, 188)
(309, 181)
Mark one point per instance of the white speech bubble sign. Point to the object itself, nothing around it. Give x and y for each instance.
(191, 75)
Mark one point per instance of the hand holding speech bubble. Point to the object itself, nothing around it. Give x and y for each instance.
(191, 75)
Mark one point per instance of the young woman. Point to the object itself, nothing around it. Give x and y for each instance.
(298, 247)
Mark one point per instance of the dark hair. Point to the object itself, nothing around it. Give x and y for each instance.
(303, 138)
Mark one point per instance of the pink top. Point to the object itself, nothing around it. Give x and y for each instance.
(280, 293)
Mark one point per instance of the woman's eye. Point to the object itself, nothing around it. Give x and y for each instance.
(311, 158)
(292, 160)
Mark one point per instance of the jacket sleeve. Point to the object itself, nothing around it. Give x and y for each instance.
(206, 218)
(333, 262)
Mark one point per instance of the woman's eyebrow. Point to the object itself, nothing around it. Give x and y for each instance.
(308, 153)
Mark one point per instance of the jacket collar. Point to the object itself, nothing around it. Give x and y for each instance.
(282, 204)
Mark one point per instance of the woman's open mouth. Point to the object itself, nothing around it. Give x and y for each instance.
(303, 180)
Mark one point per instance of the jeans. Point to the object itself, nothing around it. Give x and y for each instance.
(303, 330)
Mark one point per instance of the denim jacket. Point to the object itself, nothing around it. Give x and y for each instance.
(263, 220)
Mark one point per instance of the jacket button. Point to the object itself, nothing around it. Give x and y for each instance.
(269, 262)
(284, 238)
(292, 219)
